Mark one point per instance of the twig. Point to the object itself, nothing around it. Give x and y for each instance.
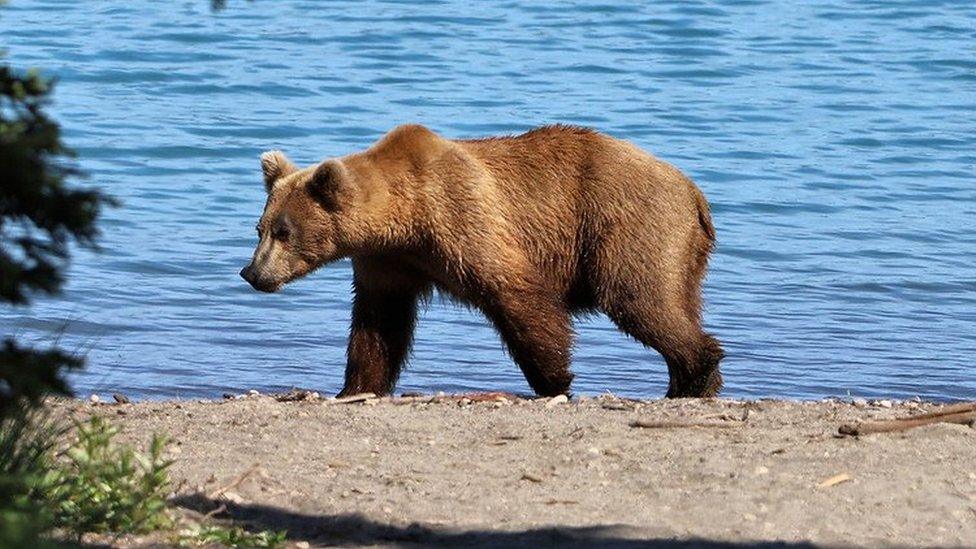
(215, 512)
(470, 397)
(237, 480)
(651, 424)
(835, 480)
(361, 397)
(413, 399)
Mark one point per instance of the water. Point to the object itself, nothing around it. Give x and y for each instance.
(835, 140)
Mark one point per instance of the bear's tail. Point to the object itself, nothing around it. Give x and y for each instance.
(704, 215)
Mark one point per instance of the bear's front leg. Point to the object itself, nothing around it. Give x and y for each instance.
(537, 330)
(379, 340)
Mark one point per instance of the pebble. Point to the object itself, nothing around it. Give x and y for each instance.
(885, 403)
(94, 399)
(253, 392)
(531, 478)
(557, 400)
(860, 402)
(302, 545)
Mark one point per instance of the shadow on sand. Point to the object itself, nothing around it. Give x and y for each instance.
(355, 529)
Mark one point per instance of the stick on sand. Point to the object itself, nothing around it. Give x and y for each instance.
(651, 424)
(957, 413)
(234, 483)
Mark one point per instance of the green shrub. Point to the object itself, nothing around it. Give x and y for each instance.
(100, 486)
(231, 537)
(26, 440)
(41, 215)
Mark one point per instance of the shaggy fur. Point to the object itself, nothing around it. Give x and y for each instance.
(529, 229)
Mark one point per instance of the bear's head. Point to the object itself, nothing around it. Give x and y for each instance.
(302, 226)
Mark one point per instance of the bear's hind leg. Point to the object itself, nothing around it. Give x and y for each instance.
(538, 333)
(708, 380)
(692, 355)
(703, 379)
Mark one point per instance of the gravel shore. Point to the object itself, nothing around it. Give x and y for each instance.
(495, 470)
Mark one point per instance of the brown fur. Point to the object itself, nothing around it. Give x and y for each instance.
(529, 229)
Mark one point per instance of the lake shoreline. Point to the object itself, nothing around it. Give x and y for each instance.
(489, 469)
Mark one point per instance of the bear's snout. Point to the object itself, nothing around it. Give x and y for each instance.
(249, 274)
(246, 273)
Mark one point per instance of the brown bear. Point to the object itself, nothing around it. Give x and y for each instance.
(530, 229)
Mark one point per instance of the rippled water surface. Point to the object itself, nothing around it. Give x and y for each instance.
(835, 140)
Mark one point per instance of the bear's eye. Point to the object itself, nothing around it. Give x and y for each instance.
(281, 233)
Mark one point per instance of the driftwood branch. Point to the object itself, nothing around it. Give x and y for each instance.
(948, 410)
(963, 414)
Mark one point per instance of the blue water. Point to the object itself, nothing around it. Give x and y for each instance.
(836, 141)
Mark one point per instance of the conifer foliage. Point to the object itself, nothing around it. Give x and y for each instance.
(41, 216)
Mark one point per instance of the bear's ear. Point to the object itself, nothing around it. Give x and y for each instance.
(330, 185)
(275, 165)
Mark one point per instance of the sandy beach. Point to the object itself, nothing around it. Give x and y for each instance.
(490, 470)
